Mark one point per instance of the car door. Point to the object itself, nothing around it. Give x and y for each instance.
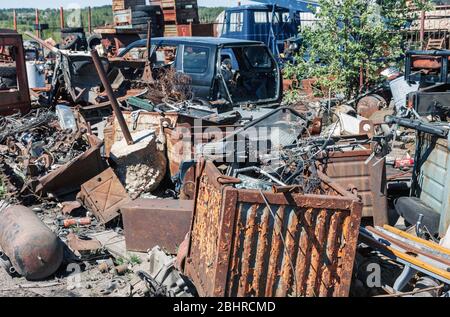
(197, 61)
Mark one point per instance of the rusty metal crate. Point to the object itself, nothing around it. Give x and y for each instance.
(237, 248)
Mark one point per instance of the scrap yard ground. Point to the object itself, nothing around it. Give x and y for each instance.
(162, 150)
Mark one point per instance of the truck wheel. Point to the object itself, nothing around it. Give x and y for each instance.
(70, 42)
(8, 71)
(94, 40)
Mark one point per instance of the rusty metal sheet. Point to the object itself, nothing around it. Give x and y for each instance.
(75, 243)
(14, 100)
(301, 245)
(181, 141)
(104, 195)
(350, 168)
(151, 222)
(69, 177)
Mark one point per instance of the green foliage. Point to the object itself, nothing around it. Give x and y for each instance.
(2, 189)
(135, 259)
(26, 19)
(209, 15)
(350, 36)
(100, 17)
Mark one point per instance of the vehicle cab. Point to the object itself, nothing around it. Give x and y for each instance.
(237, 71)
(265, 23)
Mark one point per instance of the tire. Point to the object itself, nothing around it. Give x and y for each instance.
(147, 8)
(139, 14)
(72, 30)
(70, 42)
(8, 71)
(94, 40)
(142, 21)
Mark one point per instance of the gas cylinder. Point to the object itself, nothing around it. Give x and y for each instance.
(33, 249)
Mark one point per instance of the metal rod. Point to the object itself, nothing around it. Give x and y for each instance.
(422, 29)
(109, 91)
(38, 33)
(61, 17)
(43, 43)
(89, 20)
(149, 39)
(15, 20)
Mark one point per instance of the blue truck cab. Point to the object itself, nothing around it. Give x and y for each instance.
(269, 24)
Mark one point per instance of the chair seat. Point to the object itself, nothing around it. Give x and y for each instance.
(411, 207)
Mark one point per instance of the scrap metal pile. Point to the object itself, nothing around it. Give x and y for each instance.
(147, 190)
(31, 147)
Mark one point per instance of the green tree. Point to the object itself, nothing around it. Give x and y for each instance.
(352, 37)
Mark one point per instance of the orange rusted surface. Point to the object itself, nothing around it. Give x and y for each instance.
(303, 245)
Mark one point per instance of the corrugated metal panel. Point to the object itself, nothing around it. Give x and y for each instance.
(433, 173)
(303, 245)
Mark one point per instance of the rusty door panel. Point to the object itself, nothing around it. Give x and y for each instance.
(349, 168)
(304, 245)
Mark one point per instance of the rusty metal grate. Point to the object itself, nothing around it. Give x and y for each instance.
(303, 245)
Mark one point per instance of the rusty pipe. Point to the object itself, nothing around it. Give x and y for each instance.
(15, 20)
(43, 43)
(109, 91)
(34, 250)
(61, 17)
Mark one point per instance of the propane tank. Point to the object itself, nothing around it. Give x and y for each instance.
(33, 249)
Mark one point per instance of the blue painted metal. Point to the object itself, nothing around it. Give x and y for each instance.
(293, 5)
(281, 23)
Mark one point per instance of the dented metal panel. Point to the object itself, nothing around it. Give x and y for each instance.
(104, 195)
(303, 245)
(151, 222)
(351, 169)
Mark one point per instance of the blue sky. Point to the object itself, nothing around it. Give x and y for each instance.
(84, 3)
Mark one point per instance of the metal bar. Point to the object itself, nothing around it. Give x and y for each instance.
(149, 40)
(15, 20)
(426, 127)
(38, 33)
(109, 91)
(61, 17)
(422, 29)
(89, 20)
(43, 43)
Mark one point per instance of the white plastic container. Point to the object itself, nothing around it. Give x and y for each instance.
(36, 76)
(400, 88)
